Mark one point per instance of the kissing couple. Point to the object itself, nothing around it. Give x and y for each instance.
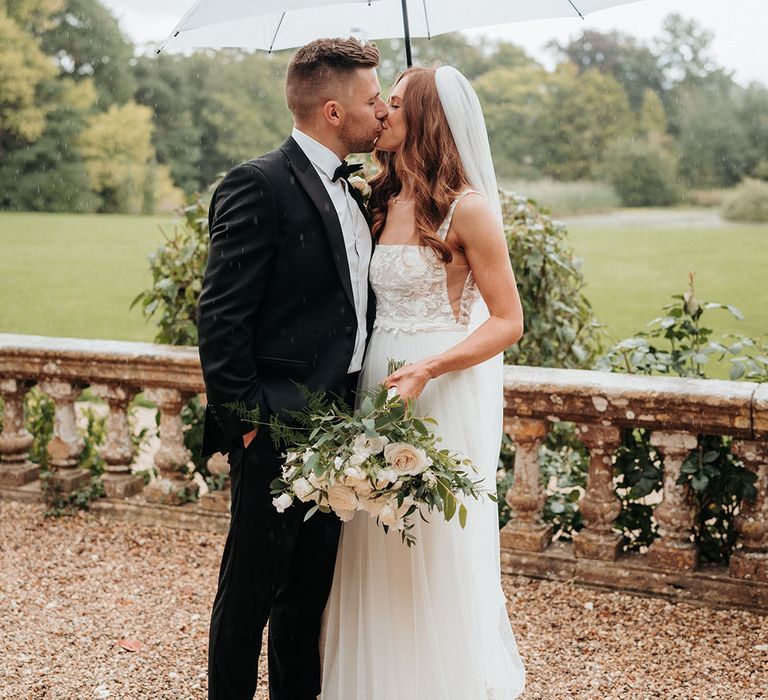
(307, 285)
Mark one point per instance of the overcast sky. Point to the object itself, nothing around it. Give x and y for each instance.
(740, 27)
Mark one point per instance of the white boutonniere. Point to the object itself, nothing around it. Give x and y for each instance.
(362, 186)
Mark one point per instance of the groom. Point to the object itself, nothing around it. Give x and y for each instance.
(285, 301)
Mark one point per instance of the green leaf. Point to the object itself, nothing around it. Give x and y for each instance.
(311, 512)
(463, 515)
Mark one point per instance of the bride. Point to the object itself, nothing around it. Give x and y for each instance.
(429, 622)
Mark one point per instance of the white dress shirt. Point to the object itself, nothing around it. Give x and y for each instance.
(354, 227)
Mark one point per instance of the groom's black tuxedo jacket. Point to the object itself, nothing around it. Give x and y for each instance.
(276, 307)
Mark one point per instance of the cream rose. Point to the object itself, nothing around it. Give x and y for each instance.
(342, 498)
(405, 459)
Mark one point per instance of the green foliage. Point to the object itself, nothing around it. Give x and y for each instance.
(643, 174)
(677, 343)
(748, 202)
(177, 271)
(59, 503)
(560, 329)
(39, 410)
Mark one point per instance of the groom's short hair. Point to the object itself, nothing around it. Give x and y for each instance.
(316, 69)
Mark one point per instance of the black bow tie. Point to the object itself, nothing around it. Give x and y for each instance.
(345, 170)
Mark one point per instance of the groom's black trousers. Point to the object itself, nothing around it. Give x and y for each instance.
(275, 568)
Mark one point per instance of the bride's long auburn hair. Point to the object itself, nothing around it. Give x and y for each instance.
(428, 159)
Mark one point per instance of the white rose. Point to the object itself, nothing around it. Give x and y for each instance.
(338, 462)
(319, 482)
(291, 457)
(354, 476)
(385, 476)
(369, 446)
(303, 489)
(289, 473)
(405, 459)
(341, 498)
(361, 184)
(282, 502)
(430, 479)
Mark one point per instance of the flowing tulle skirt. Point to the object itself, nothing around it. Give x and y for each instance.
(427, 622)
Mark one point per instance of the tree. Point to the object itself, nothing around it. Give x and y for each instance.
(117, 145)
(24, 69)
(652, 118)
(513, 101)
(581, 115)
(634, 66)
(87, 42)
(170, 84)
(684, 51)
(50, 174)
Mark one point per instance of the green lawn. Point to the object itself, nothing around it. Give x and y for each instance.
(632, 271)
(76, 275)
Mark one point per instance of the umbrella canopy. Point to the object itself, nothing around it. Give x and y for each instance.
(284, 24)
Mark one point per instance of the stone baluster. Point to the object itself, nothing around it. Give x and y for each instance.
(173, 487)
(751, 561)
(526, 530)
(66, 445)
(599, 506)
(117, 450)
(15, 440)
(219, 500)
(675, 515)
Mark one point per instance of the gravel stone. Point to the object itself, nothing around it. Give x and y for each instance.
(95, 608)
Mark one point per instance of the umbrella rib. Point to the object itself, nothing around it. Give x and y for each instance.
(578, 11)
(277, 29)
(426, 18)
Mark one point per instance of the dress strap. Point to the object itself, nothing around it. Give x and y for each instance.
(446, 225)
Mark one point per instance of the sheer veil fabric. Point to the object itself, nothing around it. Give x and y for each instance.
(429, 622)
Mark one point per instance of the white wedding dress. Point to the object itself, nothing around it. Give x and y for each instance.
(427, 622)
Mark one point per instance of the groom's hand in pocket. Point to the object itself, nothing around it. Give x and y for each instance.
(248, 437)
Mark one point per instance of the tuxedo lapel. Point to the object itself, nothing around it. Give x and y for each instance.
(308, 178)
(357, 195)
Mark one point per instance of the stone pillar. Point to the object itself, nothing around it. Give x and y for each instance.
(599, 506)
(117, 451)
(751, 561)
(218, 500)
(675, 515)
(526, 530)
(66, 445)
(15, 440)
(173, 485)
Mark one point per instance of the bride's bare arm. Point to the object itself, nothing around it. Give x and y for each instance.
(479, 234)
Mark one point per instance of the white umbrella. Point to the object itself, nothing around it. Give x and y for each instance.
(284, 24)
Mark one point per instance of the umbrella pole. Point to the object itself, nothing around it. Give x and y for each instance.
(407, 33)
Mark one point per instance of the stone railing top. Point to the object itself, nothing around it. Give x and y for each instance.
(109, 361)
(708, 406)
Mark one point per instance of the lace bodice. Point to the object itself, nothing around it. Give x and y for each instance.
(411, 287)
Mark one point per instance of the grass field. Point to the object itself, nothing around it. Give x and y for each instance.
(76, 275)
(633, 262)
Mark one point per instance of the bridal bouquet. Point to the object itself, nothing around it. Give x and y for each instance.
(380, 459)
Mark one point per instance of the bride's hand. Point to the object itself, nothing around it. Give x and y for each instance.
(409, 380)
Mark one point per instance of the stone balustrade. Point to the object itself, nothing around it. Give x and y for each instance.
(601, 405)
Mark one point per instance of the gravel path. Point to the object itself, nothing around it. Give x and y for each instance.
(72, 588)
